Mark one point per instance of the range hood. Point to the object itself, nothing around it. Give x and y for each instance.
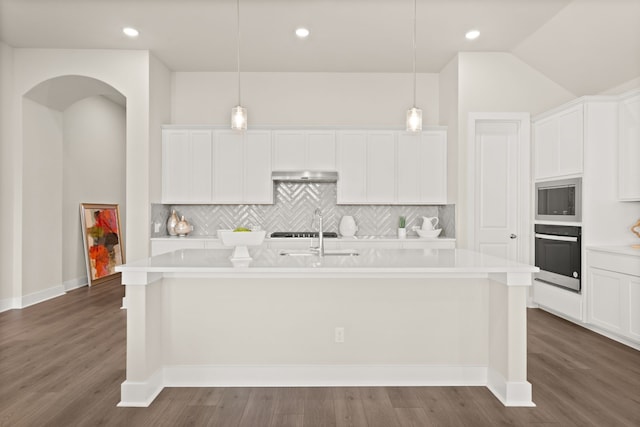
(305, 176)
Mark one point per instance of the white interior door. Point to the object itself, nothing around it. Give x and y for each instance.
(499, 186)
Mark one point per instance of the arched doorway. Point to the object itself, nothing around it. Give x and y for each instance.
(74, 151)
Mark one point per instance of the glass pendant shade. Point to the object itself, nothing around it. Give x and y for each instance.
(239, 118)
(414, 120)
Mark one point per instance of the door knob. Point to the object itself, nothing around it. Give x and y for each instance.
(513, 236)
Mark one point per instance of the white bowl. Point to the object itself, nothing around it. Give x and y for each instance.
(428, 234)
(241, 238)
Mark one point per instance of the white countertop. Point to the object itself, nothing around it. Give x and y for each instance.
(370, 263)
(328, 239)
(618, 249)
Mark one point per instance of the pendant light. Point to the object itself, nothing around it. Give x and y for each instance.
(238, 113)
(414, 114)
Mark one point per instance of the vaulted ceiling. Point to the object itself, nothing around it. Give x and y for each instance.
(587, 46)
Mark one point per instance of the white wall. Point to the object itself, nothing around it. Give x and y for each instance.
(6, 176)
(496, 82)
(94, 142)
(159, 114)
(128, 73)
(42, 199)
(449, 104)
(343, 99)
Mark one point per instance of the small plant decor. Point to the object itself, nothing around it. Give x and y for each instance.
(402, 222)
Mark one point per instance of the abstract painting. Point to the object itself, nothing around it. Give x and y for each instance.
(103, 245)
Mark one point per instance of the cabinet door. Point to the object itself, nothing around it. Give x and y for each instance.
(381, 167)
(558, 144)
(570, 141)
(422, 168)
(606, 299)
(629, 149)
(408, 166)
(289, 150)
(175, 165)
(433, 167)
(352, 167)
(321, 150)
(634, 308)
(200, 171)
(186, 166)
(228, 167)
(545, 135)
(258, 187)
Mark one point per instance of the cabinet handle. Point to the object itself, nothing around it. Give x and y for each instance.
(513, 236)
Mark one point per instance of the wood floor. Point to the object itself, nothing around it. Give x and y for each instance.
(62, 363)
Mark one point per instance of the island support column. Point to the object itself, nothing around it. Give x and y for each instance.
(507, 370)
(144, 379)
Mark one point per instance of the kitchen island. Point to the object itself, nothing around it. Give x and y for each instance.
(385, 317)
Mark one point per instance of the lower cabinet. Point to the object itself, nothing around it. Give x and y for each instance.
(613, 302)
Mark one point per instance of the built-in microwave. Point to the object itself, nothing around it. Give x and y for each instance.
(559, 200)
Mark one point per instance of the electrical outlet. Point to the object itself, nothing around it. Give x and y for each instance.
(339, 335)
(156, 226)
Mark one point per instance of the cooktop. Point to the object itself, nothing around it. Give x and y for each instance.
(304, 234)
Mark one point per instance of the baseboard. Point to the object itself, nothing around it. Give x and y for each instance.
(322, 375)
(41, 296)
(510, 393)
(141, 394)
(9, 304)
(72, 284)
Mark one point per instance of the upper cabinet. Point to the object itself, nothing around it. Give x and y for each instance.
(203, 166)
(422, 167)
(629, 148)
(558, 143)
(218, 166)
(304, 150)
(391, 167)
(186, 166)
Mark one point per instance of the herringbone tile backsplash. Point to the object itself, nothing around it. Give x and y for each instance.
(293, 211)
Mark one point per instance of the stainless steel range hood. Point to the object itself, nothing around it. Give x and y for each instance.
(305, 176)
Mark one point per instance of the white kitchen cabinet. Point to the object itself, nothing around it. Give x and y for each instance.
(381, 167)
(228, 167)
(216, 166)
(558, 143)
(352, 167)
(304, 150)
(629, 148)
(242, 168)
(391, 167)
(613, 301)
(186, 166)
(257, 184)
(422, 167)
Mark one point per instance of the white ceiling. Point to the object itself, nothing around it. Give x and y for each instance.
(587, 46)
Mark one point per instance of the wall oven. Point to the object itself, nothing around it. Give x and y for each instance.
(559, 200)
(557, 253)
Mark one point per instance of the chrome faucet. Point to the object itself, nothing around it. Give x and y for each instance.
(320, 248)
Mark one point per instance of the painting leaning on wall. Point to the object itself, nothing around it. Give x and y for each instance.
(103, 245)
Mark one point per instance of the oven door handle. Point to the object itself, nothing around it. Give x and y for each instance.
(559, 238)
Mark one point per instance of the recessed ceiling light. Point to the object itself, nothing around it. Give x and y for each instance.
(131, 32)
(472, 35)
(302, 33)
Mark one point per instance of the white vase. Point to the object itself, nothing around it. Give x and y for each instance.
(348, 226)
(402, 233)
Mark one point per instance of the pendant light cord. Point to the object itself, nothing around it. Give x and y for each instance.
(414, 52)
(238, 52)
